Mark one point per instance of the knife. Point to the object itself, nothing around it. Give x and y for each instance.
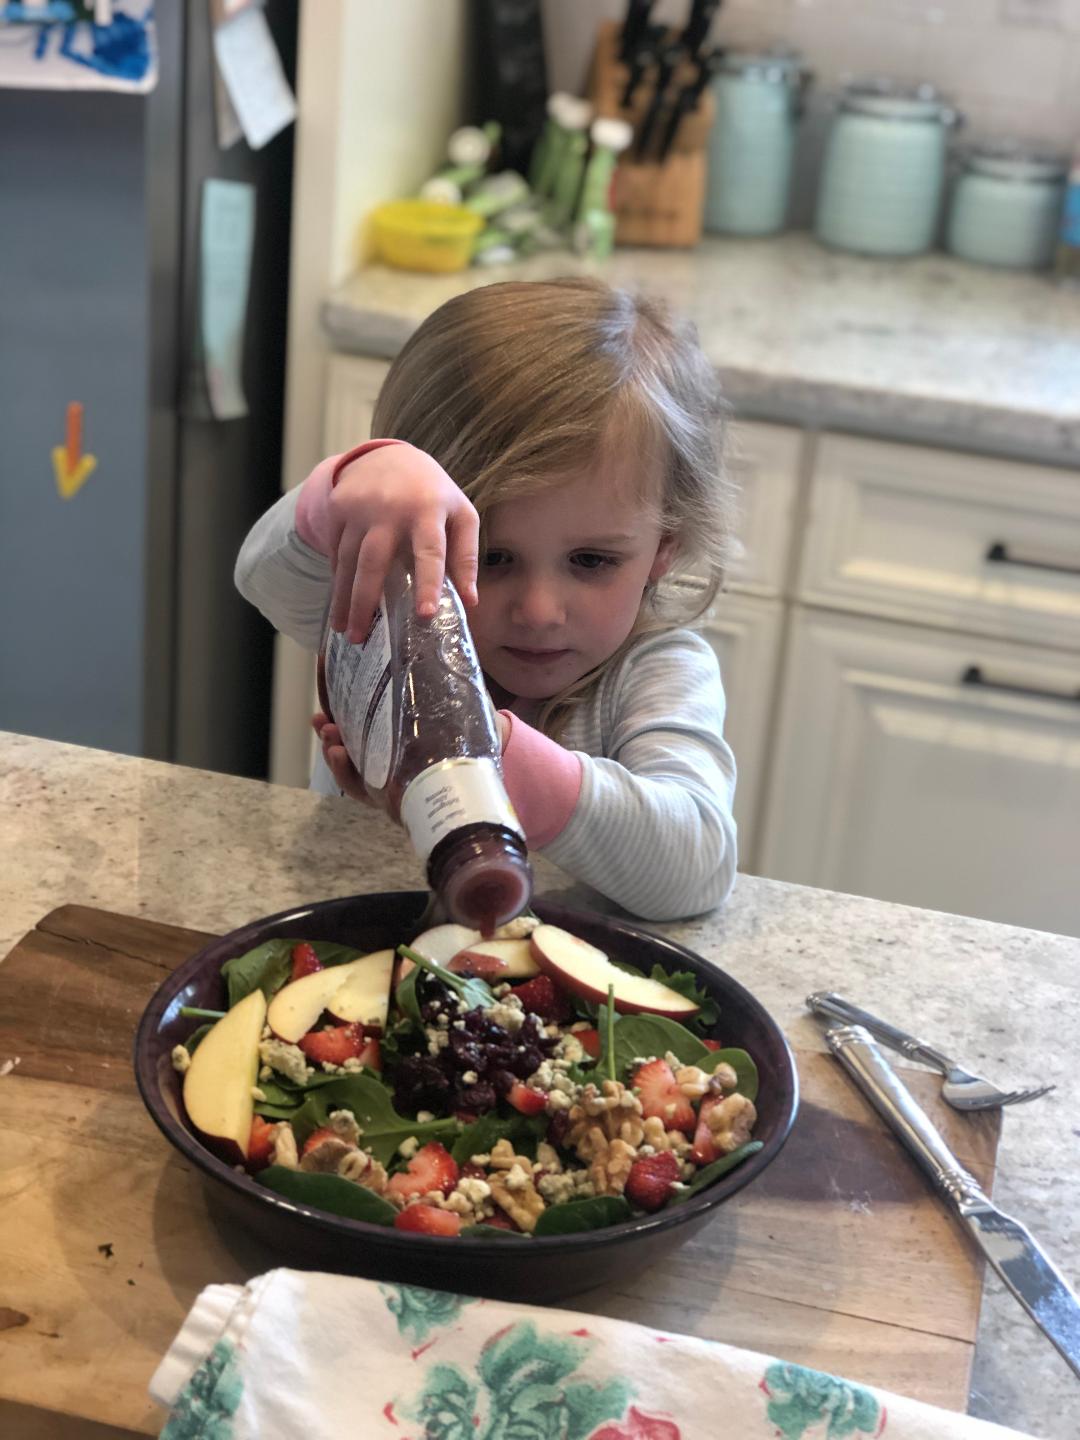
(697, 27)
(1023, 1265)
(688, 97)
(670, 59)
(634, 26)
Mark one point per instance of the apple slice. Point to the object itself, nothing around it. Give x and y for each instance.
(584, 970)
(218, 1082)
(296, 1006)
(365, 995)
(513, 960)
(441, 943)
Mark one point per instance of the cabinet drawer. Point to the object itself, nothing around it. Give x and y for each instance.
(765, 461)
(352, 387)
(935, 769)
(944, 539)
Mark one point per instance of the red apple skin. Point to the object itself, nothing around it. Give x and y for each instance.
(483, 967)
(226, 1150)
(680, 1009)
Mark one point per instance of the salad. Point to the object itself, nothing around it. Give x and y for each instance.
(521, 1086)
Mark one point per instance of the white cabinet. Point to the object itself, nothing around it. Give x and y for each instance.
(936, 769)
(944, 539)
(352, 387)
(765, 461)
(745, 633)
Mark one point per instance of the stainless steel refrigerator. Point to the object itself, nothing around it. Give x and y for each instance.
(119, 624)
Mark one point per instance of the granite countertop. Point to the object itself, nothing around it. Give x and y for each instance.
(928, 349)
(210, 851)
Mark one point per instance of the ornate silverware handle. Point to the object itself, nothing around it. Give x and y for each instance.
(854, 1047)
(835, 1007)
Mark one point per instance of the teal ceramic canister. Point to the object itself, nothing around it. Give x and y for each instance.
(1006, 205)
(884, 170)
(752, 141)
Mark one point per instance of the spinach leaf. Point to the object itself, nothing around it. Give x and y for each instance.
(265, 968)
(522, 1131)
(193, 1041)
(654, 1035)
(406, 998)
(383, 1129)
(685, 982)
(708, 1173)
(491, 1232)
(284, 1098)
(476, 994)
(592, 1214)
(328, 1192)
(330, 953)
(744, 1067)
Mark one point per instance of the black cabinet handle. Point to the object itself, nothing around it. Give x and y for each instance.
(973, 675)
(999, 552)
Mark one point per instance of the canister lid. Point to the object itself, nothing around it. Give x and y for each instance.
(1013, 159)
(777, 67)
(896, 99)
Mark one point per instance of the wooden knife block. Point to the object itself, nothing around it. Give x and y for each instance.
(655, 203)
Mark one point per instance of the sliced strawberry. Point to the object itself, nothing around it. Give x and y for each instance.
(500, 1221)
(371, 1055)
(660, 1096)
(651, 1177)
(261, 1143)
(335, 1044)
(431, 1168)
(541, 996)
(704, 1151)
(427, 1220)
(712, 1044)
(304, 961)
(526, 1099)
(589, 1040)
(326, 1132)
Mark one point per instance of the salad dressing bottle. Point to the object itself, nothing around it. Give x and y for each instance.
(417, 722)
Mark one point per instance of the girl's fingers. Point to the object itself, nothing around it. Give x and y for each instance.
(344, 564)
(372, 563)
(344, 771)
(463, 551)
(429, 560)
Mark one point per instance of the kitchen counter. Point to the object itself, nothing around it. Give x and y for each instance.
(209, 851)
(929, 349)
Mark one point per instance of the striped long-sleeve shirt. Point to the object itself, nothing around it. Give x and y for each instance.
(636, 798)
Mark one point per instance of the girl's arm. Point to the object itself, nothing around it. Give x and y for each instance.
(645, 816)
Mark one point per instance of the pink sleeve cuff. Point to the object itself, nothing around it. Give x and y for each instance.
(542, 779)
(312, 520)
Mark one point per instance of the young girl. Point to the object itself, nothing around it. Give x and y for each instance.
(566, 434)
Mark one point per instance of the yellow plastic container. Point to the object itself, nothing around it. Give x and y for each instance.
(425, 235)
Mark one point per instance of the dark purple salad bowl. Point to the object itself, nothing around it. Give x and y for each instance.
(539, 1268)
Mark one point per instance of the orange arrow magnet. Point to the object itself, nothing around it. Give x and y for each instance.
(70, 466)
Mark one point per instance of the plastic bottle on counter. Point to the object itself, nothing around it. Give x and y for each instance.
(417, 722)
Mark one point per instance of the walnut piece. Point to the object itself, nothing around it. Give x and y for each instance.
(692, 1081)
(614, 1112)
(502, 1157)
(326, 1157)
(524, 1205)
(609, 1171)
(723, 1077)
(359, 1167)
(731, 1122)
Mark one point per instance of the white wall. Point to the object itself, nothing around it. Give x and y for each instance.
(380, 86)
(1012, 66)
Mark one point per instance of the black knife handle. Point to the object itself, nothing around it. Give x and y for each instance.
(634, 26)
(697, 28)
(670, 58)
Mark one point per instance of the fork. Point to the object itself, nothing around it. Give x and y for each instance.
(963, 1089)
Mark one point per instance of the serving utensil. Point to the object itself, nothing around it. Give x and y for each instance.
(1020, 1261)
(963, 1089)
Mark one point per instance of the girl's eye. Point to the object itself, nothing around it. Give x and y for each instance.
(492, 559)
(592, 560)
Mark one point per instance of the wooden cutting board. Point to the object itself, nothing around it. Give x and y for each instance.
(838, 1257)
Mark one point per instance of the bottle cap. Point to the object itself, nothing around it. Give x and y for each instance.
(611, 133)
(574, 114)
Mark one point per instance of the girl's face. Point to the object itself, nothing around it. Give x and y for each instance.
(561, 582)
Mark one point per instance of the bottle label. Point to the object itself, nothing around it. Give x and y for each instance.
(451, 794)
(1070, 222)
(361, 697)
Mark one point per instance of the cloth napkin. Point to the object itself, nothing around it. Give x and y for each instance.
(329, 1357)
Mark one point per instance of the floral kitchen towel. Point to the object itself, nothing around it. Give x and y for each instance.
(329, 1357)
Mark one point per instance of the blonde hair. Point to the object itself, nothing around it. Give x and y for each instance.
(512, 387)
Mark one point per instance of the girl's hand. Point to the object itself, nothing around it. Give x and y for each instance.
(391, 498)
(346, 776)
